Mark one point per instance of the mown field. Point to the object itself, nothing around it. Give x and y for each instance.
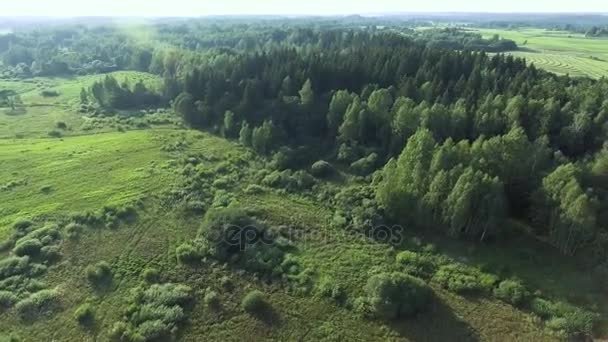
(147, 168)
(560, 52)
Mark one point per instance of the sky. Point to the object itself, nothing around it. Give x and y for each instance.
(321, 7)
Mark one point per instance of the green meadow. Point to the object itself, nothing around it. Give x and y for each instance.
(560, 52)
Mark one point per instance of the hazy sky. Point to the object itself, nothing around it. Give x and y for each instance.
(202, 7)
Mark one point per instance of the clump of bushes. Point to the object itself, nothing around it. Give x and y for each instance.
(49, 93)
(512, 292)
(29, 247)
(254, 302)
(463, 279)
(392, 295)
(365, 165)
(85, 314)
(37, 304)
(187, 253)
(99, 274)
(212, 299)
(321, 169)
(151, 275)
(328, 287)
(564, 319)
(154, 314)
(73, 230)
(417, 264)
(7, 299)
(291, 181)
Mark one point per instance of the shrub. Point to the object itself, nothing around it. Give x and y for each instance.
(416, 264)
(328, 287)
(512, 291)
(7, 299)
(13, 266)
(100, 273)
(254, 189)
(222, 228)
(73, 230)
(392, 295)
(61, 125)
(563, 318)
(55, 134)
(85, 314)
(254, 302)
(22, 224)
(212, 299)
(463, 279)
(28, 247)
(50, 253)
(151, 275)
(321, 169)
(365, 165)
(38, 303)
(49, 93)
(187, 254)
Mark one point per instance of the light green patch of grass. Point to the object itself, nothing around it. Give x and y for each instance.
(560, 52)
(40, 115)
(77, 174)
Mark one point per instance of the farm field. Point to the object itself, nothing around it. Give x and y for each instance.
(559, 51)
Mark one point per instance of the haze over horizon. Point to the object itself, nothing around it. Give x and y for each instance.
(70, 8)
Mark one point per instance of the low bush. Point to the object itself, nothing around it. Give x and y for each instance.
(85, 314)
(99, 274)
(29, 247)
(61, 125)
(7, 299)
(463, 279)
(73, 230)
(50, 253)
(417, 264)
(365, 165)
(512, 292)
(212, 300)
(39, 303)
(187, 254)
(154, 313)
(254, 302)
(321, 169)
(49, 93)
(329, 288)
(151, 275)
(564, 319)
(55, 134)
(392, 295)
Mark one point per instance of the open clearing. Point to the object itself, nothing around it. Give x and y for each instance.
(560, 52)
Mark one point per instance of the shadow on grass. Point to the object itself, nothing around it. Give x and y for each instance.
(438, 323)
(268, 315)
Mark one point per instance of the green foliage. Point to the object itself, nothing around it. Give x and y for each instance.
(512, 292)
(321, 169)
(365, 165)
(7, 299)
(463, 279)
(417, 264)
(85, 314)
(392, 295)
(212, 300)
(564, 319)
(29, 247)
(254, 302)
(151, 275)
(39, 303)
(154, 314)
(187, 253)
(73, 230)
(99, 274)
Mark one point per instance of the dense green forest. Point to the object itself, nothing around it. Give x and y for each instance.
(384, 125)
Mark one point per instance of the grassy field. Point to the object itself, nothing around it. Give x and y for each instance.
(560, 52)
(45, 179)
